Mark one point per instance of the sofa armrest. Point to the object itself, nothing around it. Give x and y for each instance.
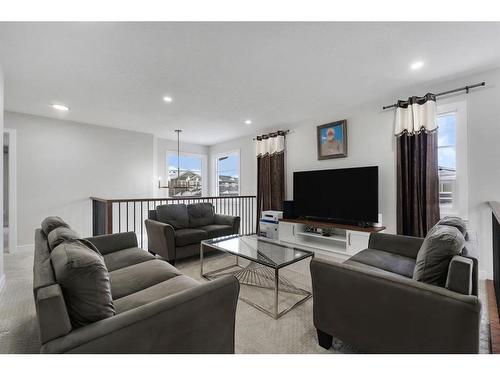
(233, 221)
(197, 320)
(403, 245)
(459, 277)
(52, 315)
(161, 238)
(109, 243)
(385, 313)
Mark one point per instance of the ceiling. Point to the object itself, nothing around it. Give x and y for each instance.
(221, 74)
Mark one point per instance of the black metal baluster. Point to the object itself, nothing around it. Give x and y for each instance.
(252, 218)
(142, 232)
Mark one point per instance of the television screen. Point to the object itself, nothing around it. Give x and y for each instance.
(349, 194)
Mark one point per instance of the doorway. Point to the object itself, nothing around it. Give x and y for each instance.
(9, 191)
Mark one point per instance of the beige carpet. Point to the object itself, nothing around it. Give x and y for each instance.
(255, 331)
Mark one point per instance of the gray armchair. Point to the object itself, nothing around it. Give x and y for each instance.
(176, 230)
(372, 302)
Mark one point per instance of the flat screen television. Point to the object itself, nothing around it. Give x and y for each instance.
(347, 195)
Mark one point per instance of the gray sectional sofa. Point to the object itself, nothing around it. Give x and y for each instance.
(176, 230)
(401, 295)
(105, 295)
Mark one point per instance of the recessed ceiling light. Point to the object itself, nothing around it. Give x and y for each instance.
(168, 99)
(60, 107)
(417, 65)
(248, 122)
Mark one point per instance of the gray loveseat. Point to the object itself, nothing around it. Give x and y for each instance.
(176, 230)
(373, 301)
(152, 307)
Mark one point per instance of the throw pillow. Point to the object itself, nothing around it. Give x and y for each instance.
(454, 221)
(84, 280)
(439, 246)
(60, 235)
(52, 222)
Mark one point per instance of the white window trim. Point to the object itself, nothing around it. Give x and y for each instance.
(204, 167)
(461, 197)
(216, 171)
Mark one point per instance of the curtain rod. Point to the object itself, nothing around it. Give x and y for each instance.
(465, 88)
(272, 134)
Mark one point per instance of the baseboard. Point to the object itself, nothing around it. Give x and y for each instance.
(483, 275)
(30, 247)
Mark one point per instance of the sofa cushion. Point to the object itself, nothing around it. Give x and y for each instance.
(454, 221)
(52, 222)
(126, 257)
(164, 289)
(217, 230)
(433, 259)
(174, 214)
(85, 282)
(365, 266)
(200, 214)
(61, 234)
(189, 236)
(131, 279)
(386, 261)
(109, 243)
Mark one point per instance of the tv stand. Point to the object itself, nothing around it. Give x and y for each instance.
(327, 237)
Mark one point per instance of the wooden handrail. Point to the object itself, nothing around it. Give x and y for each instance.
(104, 200)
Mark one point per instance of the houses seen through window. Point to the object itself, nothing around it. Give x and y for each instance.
(189, 181)
(447, 160)
(228, 170)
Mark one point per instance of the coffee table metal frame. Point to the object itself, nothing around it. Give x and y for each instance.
(258, 274)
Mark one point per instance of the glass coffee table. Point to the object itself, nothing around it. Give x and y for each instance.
(266, 258)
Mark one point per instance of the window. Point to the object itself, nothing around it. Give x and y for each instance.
(190, 179)
(227, 178)
(447, 155)
(452, 158)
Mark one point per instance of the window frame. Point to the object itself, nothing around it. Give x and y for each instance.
(204, 171)
(460, 195)
(216, 169)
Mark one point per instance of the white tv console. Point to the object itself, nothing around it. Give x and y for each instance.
(342, 240)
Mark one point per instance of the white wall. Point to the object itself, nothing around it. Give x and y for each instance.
(483, 111)
(2, 275)
(60, 164)
(370, 142)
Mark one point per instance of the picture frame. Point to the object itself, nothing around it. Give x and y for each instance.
(332, 140)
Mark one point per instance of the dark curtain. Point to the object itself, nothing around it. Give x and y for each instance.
(270, 183)
(417, 183)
